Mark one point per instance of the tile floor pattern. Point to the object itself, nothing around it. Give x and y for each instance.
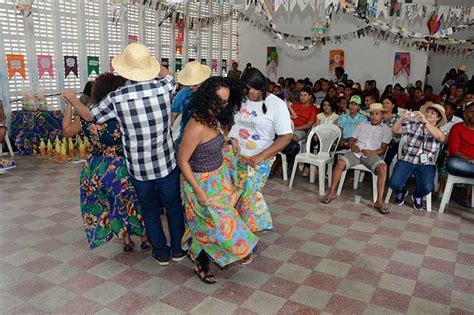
(339, 258)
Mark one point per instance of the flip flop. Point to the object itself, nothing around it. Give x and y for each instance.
(327, 200)
(383, 209)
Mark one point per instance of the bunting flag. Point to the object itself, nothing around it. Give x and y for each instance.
(45, 65)
(179, 64)
(214, 65)
(336, 59)
(92, 64)
(70, 65)
(433, 24)
(291, 4)
(224, 65)
(303, 4)
(165, 62)
(203, 61)
(16, 64)
(402, 64)
(132, 39)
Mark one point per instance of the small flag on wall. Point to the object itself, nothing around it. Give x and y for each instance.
(402, 64)
(70, 65)
(132, 39)
(92, 64)
(165, 62)
(224, 65)
(336, 59)
(214, 65)
(45, 65)
(16, 64)
(179, 64)
(203, 61)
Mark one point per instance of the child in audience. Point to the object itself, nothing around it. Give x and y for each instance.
(349, 120)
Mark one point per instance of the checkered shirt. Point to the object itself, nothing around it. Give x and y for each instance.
(143, 111)
(412, 149)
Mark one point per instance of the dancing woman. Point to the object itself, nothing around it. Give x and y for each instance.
(109, 204)
(261, 117)
(215, 230)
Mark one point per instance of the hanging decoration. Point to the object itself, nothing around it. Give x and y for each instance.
(179, 64)
(203, 61)
(70, 65)
(24, 7)
(45, 65)
(165, 62)
(336, 59)
(132, 38)
(433, 24)
(92, 64)
(272, 63)
(224, 65)
(16, 64)
(214, 65)
(180, 24)
(402, 64)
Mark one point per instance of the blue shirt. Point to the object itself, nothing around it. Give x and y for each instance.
(349, 124)
(180, 103)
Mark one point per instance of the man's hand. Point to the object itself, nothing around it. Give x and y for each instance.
(366, 152)
(355, 149)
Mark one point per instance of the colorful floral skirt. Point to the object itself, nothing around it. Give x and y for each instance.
(109, 203)
(218, 228)
(249, 183)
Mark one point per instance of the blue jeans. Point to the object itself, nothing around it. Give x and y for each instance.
(424, 177)
(151, 194)
(460, 167)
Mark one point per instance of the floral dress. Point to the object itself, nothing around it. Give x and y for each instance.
(109, 203)
(217, 229)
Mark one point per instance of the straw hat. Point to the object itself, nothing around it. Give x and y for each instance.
(376, 107)
(462, 68)
(439, 109)
(135, 63)
(193, 73)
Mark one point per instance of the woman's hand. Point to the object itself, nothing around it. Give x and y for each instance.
(420, 117)
(235, 146)
(202, 197)
(68, 95)
(254, 160)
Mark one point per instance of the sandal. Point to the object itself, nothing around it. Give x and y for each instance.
(247, 260)
(128, 248)
(383, 209)
(327, 200)
(207, 278)
(145, 246)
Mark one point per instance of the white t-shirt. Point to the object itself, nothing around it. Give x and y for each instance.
(255, 130)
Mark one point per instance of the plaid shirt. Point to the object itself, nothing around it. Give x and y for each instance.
(413, 146)
(143, 111)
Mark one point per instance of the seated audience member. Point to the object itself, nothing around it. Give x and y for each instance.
(341, 105)
(305, 114)
(417, 101)
(400, 95)
(388, 91)
(461, 76)
(369, 100)
(321, 95)
(277, 91)
(348, 92)
(332, 93)
(369, 141)
(349, 121)
(281, 81)
(328, 113)
(340, 89)
(389, 119)
(234, 72)
(429, 96)
(424, 139)
(451, 118)
(410, 90)
(461, 149)
(419, 84)
(468, 98)
(300, 85)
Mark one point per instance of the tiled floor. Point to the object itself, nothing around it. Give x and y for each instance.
(339, 258)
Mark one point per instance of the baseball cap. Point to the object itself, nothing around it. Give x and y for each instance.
(356, 99)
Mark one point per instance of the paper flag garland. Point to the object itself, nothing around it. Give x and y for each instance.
(70, 65)
(92, 64)
(336, 58)
(401, 63)
(433, 24)
(45, 65)
(16, 64)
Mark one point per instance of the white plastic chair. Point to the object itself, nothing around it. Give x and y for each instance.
(452, 180)
(329, 136)
(395, 159)
(284, 160)
(358, 177)
(9, 145)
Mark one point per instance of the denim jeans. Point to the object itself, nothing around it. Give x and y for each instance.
(460, 167)
(424, 177)
(151, 194)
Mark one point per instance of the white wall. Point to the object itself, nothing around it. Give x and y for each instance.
(363, 59)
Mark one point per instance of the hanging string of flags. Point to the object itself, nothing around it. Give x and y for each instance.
(379, 30)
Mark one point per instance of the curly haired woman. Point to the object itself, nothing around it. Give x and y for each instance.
(215, 230)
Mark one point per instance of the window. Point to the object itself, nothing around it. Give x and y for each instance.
(206, 42)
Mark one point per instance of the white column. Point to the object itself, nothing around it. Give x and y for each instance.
(141, 23)
(31, 50)
(125, 27)
(104, 38)
(58, 51)
(81, 29)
